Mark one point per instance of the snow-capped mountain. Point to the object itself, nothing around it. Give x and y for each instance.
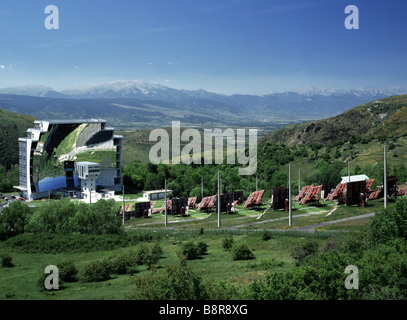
(147, 102)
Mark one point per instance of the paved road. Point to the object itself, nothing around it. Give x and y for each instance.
(272, 220)
(310, 228)
(326, 223)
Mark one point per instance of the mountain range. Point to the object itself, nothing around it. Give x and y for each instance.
(384, 118)
(135, 104)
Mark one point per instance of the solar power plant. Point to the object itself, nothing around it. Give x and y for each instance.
(354, 191)
(225, 200)
(402, 191)
(162, 209)
(369, 184)
(254, 199)
(212, 201)
(328, 187)
(303, 192)
(238, 195)
(178, 206)
(127, 208)
(391, 185)
(207, 203)
(312, 195)
(279, 197)
(192, 202)
(141, 209)
(374, 195)
(339, 190)
(158, 210)
(202, 205)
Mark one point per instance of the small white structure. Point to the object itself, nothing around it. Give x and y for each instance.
(360, 177)
(88, 172)
(155, 194)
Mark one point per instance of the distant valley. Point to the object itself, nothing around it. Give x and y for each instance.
(130, 105)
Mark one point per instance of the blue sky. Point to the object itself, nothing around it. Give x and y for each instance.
(224, 46)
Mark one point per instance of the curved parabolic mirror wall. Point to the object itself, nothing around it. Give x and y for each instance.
(72, 142)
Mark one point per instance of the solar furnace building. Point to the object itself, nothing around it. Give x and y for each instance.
(52, 151)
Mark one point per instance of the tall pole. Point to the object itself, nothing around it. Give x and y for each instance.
(165, 202)
(218, 199)
(385, 177)
(202, 188)
(124, 211)
(290, 216)
(299, 180)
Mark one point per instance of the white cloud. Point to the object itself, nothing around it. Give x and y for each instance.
(2, 67)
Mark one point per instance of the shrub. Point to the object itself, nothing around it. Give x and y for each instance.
(177, 283)
(202, 248)
(148, 257)
(141, 253)
(6, 260)
(123, 263)
(67, 271)
(304, 251)
(157, 250)
(190, 250)
(43, 276)
(242, 252)
(228, 242)
(266, 235)
(14, 220)
(96, 271)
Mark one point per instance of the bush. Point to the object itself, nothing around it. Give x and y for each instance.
(228, 242)
(43, 276)
(66, 217)
(242, 252)
(190, 250)
(123, 263)
(305, 251)
(177, 283)
(14, 220)
(202, 248)
(67, 271)
(157, 250)
(141, 253)
(390, 224)
(148, 257)
(6, 260)
(266, 235)
(96, 271)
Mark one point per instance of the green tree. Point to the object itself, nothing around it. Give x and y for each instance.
(14, 219)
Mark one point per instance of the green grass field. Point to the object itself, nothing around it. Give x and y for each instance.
(20, 281)
(246, 226)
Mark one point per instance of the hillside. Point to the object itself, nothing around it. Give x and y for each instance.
(375, 119)
(139, 105)
(12, 127)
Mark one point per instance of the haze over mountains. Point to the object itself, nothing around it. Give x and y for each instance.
(137, 104)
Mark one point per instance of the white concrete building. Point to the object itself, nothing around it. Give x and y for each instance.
(155, 194)
(360, 177)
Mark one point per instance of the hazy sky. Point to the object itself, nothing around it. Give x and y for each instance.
(225, 46)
